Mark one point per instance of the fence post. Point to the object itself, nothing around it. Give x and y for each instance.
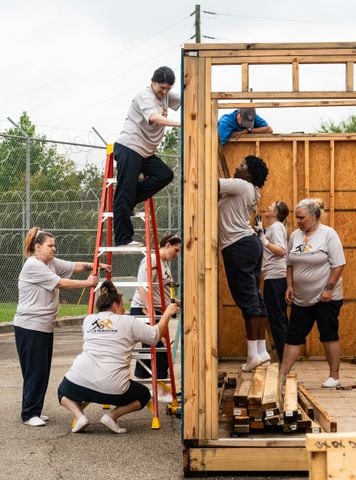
(28, 183)
(28, 174)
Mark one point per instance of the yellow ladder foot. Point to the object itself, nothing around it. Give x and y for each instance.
(156, 424)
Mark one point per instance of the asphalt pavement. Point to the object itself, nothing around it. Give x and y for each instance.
(54, 453)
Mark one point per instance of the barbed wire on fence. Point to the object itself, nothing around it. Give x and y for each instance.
(70, 214)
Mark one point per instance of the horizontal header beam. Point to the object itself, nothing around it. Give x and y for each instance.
(269, 46)
(281, 95)
(274, 104)
(285, 59)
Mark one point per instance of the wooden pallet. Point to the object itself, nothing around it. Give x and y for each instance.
(332, 456)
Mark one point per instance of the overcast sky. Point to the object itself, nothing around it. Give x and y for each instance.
(74, 64)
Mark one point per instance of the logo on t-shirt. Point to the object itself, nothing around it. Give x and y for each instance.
(102, 326)
(302, 248)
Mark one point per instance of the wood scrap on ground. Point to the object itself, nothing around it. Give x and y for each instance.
(327, 422)
(261, 403)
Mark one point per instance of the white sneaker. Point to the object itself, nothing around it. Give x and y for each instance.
(134, 243)
(137, 214)
(111, 424)
(331, 383)
(44, 418)
(167, 398)
(80, 424)
(252, 364)
(35, 422)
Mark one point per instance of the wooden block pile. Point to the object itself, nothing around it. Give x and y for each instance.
(260, 405)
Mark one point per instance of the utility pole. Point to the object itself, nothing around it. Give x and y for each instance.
(197, 24)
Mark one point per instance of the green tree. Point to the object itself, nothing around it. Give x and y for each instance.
(170, 142)
(345, 126)
(49, 169)
(91, 178)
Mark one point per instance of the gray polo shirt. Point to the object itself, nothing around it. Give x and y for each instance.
(137, 132)
(142, 277)
(274, 266)
(238, 200)
(108, 342)
(38, 296)
(311, 260)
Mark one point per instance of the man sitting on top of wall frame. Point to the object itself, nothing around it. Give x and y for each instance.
(243, 120)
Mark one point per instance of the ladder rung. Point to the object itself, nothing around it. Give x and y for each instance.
(149, 380)
(122, 249)
(146, 318)
(107, 215)
(148, 350)
(132, 284)
(126, 284)
(140, 215)
(110, 181)
(141, 356)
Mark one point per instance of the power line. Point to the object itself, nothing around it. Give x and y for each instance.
(217, 38)
(276, 19)
(158, 33)
(124, 50)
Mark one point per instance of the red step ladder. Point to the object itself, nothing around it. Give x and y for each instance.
(106, 218)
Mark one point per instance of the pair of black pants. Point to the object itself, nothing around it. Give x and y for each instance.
(242, 261)
(274, 290)
(130, 190)
(77, 393)
(302, 319)
(35, 353)
(161, 357)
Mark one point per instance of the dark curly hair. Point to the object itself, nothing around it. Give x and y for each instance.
(108, 295)
(257, 169)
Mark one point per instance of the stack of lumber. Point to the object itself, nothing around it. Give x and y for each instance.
(263, 403)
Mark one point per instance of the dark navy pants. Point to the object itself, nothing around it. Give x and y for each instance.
(35, 353)
(161, 357)
(77, 393)
(242, 261)
(130, 190)
(274, 290)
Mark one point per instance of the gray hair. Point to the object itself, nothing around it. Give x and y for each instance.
(314, 206)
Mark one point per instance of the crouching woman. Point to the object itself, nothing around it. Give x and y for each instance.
(101, 372)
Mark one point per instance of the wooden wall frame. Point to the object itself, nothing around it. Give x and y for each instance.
(200, 236)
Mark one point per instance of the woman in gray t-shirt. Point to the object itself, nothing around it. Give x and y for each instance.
(135, 151)
(40, 279)
(274, 270)
(169, 248)
(101, 372)
(314, 287)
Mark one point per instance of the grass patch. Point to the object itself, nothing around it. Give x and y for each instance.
(7, 311)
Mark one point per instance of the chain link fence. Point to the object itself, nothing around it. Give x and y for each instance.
(36, 190)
